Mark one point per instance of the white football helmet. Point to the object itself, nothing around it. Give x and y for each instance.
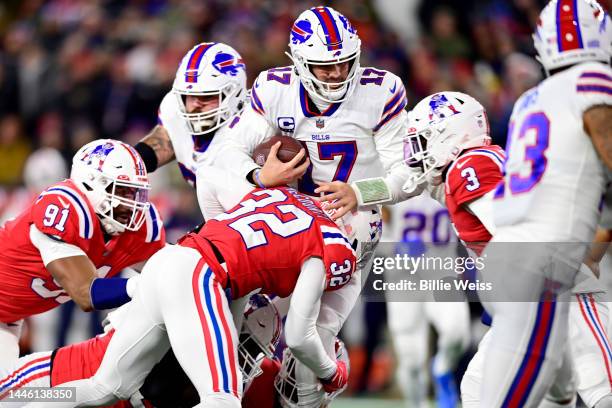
(322, 36)
(291, 394)
(113, 177)
(211, 69)
(572, 31)
(441, 126)
(259, 337)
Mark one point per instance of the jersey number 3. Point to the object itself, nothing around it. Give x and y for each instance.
(254, 235)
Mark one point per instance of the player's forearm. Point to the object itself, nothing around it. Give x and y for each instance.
(336, 305)
(597, 122)
(300, 328)
(390, 189)
(75, 275)
(159, 140)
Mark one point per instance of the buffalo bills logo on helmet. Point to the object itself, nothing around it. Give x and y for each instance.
(301, 32)
(441, 107)
(100, 152)
(228, 64)
(347, 24)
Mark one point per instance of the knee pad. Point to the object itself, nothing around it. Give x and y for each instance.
(220, 400)
(605, 402)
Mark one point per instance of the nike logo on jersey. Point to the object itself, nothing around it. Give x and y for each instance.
(460, 165)
(392, 89)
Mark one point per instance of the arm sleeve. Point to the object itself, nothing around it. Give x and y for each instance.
(483, 209)
(336, 305)
(300, 328)
(52, 249)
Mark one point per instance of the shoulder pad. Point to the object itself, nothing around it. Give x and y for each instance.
(59, 209)
(267, 85)
(387, 90)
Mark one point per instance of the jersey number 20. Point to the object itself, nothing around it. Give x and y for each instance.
(255, 236)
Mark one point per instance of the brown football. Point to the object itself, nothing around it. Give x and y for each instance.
(288, 149)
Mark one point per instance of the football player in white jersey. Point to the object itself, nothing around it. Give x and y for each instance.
(424, 220)
(207, 96)
(349, 118)
(446, 123)
(559, 145)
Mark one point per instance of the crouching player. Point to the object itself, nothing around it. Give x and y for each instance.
(276, 240)
(166, 385)
(88, 227)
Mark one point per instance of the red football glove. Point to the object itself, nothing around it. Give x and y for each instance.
(338, 380)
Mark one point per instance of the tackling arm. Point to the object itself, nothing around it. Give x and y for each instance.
(597, 122)
(74, 272)
(300, 328)
(394, 187)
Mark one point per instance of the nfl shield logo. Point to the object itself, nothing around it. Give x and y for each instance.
(320, 123)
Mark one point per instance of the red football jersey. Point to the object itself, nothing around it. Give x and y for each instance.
(63, 212)
(81, 360)
(473, 174)
(266, 238)
(261, 393)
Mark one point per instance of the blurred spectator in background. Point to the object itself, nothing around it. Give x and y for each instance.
(14, 150)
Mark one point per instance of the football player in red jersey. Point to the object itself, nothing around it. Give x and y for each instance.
(166, 385)
(275, 241)
(88, 227)
(449, 141)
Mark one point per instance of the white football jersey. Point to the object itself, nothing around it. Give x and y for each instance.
(352, 140)
(190, 151)
(554, 180)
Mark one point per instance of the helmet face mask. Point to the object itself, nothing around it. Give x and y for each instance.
(571, 32)
(294, 394)
(322, 36)
(211, 70)
(259, 336)
(113, 177)
(127, 203)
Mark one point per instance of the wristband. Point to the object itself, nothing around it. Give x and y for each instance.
(148, 156)
(108, 293)
(257, 180)
(371, 191)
